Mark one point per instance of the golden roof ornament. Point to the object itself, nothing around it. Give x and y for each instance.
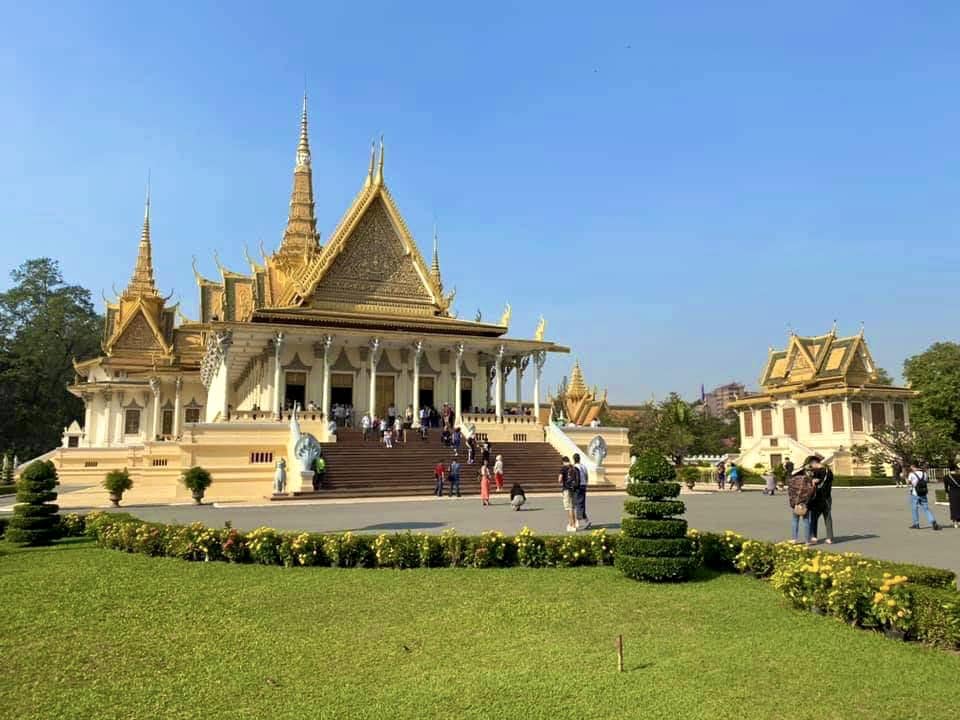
(576, 388)
(373, 160)
(303, 147)
(300, 237)
(541, 330)
(435, 267)
(379, 178)
(505, 318)
(142, 283)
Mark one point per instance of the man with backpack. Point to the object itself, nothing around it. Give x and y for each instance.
(583, 522)
(917, 481)
(569, 480)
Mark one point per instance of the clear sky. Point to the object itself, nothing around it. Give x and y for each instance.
(673, 185)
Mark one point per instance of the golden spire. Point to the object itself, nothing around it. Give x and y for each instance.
(435, 267)
(576, 388)
(379, 179)
(142, 281)
(300, 238)
(373, 159)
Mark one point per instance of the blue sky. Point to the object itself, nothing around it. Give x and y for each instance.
(671, 185)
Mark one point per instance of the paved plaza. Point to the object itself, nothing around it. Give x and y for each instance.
(873, 521)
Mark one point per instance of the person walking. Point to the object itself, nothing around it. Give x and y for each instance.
(388, 436)
(580, 504)
(919, 487)
(485, 452)
(897, 473)
(788, 466)
(471, 450)
(439, 472)
(485, 484)
(951, 482)
(365, 426)
(454, 477)
(517, 496)
(822, 502)
(319, 472)
(800, 489)
(498, 472)
(734, 475)
(455, 440)
(721, 475)
(569, 481)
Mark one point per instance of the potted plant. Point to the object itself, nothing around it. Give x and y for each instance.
(197, 480)
(689, 475)
(117, 482)
(780, 473)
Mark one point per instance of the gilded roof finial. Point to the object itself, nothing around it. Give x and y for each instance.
(141, 283)
(833, 330)
(373, 159)
(379, 179)
(300, 236)
(303, 147)
(435, 267)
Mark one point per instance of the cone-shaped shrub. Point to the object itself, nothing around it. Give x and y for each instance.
(35, 520)
(653, 544)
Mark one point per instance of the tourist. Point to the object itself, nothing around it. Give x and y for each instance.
(580, 504)
(439, 472)
(485, 452)
(736, 483)
(569, 481)
(498, 472)
(898, 474)
(348, 415)
(319, 471)
(391, 415)
(365, 426)
(721, 475)
(517, 496)
(424, 429)
(822, 501)
(424, 416)
(383, 427)
(800, 489)
(454, 477)
(471, 450)
(456, 440)
(445, 437)
(919, 487)
(485, 484)
(388, 436)
(951, 481)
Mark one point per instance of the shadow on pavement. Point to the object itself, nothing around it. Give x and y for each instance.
(400, 526)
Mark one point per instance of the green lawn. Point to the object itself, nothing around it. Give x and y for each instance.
(92, 633)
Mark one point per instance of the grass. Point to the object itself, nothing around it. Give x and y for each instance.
(95, 633)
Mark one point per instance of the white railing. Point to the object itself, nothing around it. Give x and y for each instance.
(491, 419)
(560, 442)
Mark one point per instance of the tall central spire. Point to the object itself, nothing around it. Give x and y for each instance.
(141, 283)
(300, 237)
(435, 267)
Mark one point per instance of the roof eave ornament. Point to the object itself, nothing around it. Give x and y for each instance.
(379, 178)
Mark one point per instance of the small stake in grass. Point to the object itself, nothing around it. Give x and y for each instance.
(619, 644)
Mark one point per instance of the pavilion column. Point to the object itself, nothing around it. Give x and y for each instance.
(417, 352)
(88, 418)
(225, 343)
(457, 397)
(325, 397)
(177, 406)
(498, 379)
(277, 396)
(539, 358)
(108, 430)
(521, 367)
(155, 423)
(374, 358)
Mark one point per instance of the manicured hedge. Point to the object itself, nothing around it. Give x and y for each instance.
(653, 491)
(751, 477)
(936, 614)
(658, 569)
(654, 508)
(644, 528)
(655, 547)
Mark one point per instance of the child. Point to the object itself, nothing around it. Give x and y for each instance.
(388, 437)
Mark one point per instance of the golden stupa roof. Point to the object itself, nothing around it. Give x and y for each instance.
(142, 282)
(576, 388)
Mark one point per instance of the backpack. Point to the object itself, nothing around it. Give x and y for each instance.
(921, 487)
(571, 478)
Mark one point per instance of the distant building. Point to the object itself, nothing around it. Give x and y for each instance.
(717, 400)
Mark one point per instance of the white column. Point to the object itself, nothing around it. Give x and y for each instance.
(519, 371)
(458, 365)
(374, 358)
(108, 430)
(498, 379)
(539, 358)
(177, 406)
(88, 418)
(417, 352)
(277, 397)
(155, 423)
(325, 398)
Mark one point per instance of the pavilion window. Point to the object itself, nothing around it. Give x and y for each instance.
(166, 423)
(856, 416)
(766, 422)
(191, 415)
(131, 422)
(816, 421)
(836, 409)
(748, 423)
(790, 422)
(878, 415)
(898, 417)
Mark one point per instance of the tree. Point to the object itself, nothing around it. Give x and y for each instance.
(677, 429)
(924, 443)
(35, 520)
(882, 377)
(44, 325)
(935, 374)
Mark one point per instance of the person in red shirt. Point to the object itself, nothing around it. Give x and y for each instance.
(439, 473)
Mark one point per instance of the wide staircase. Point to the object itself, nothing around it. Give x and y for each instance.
(368, 469)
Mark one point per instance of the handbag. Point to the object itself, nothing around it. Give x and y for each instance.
(800, 509)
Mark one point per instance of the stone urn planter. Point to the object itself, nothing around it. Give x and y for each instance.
(198, 496)
(196, 480)
(115, 498)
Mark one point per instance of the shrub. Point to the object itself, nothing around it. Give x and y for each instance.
(653, 491)
(647, 528)
(196, 480)
(117, 482)
(876, 470)
(657, 569)
(716, 551)
(72, 525)
(936, 616)
(531, 550)
(652, 466)
(756, 558)
(654, 508)
(689, 475)
(35, 520)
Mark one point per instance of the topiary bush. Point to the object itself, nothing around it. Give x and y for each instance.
(35, 520)
(117, 482)
(196, 480)
(653, 543)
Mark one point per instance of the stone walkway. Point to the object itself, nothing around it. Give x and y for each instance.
(873, 521)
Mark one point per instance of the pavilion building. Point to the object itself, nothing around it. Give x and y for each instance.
(818, 396)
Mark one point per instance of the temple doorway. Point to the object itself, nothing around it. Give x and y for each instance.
(385, 394)
(296, 389)
(466, 395)
(426, 392)
(341, 389)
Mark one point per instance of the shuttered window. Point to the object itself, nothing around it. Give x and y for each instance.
(837, 411)
(856, 416)
(790, 422)
(878, 415)
(131, 422)
(766, 422)
(816, 423)
(898, 419)
(748, 423)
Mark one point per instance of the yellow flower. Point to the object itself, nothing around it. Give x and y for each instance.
(891, 602)
(900, 613)
(885, 588)
(823, 576)
(886, 575)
